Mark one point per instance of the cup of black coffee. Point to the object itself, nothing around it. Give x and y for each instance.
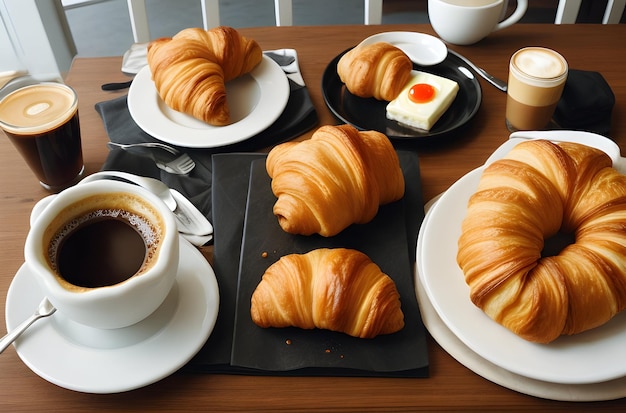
(41, 120)
(105, 253)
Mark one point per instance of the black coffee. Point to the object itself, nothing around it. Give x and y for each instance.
(101, 248)
(55, 156)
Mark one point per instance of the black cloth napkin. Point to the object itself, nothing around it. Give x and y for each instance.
(298, 117)
(238, 347)
(586, 103)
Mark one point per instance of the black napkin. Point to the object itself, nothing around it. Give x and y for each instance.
(298, 117)
(403, 354)
(586, 103)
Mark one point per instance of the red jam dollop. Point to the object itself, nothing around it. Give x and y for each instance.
(422, 93)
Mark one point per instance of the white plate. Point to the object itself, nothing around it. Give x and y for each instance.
(589, 357)
(423, 49)
(91, 360)
(609, 390)
(255, 100)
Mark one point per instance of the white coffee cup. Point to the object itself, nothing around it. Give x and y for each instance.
(105, 253)
(465, 22)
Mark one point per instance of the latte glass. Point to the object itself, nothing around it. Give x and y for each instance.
(41, 120)
(536, 80)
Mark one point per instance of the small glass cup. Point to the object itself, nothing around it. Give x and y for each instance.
(536, 80)
(41, 120)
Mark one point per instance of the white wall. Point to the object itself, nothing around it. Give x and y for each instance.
(35, 37)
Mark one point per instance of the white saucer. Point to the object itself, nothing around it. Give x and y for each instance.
(608, 390)
(255, 101)
(91, 360)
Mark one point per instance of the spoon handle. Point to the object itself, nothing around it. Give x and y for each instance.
(13, 335)
(500, 84)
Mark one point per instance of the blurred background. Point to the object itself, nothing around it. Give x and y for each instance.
(92, 21)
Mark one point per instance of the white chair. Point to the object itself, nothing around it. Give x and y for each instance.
(139, 18)
(567, 11)
(284, 12)
(211, 15)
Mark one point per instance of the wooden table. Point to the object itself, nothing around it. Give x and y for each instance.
(451, 385)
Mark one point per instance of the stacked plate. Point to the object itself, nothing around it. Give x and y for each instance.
(583, 367)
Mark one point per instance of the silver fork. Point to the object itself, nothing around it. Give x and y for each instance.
(165, 157)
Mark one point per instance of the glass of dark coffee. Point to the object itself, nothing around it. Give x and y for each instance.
(41, 120)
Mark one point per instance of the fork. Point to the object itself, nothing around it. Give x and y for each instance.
(165, 157)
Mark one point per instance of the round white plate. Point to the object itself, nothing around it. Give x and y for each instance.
(609, 390)
(423, 49)
(91, 360)
(590, 357)
(255, 100)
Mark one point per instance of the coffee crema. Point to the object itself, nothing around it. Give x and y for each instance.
(97, 247)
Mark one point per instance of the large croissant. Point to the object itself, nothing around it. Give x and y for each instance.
(191, 68)
(538, 190)
(337, 178)
(378, 70)
(335, 289)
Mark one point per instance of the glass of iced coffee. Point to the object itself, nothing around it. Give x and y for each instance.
(536, 79)
(41, 120)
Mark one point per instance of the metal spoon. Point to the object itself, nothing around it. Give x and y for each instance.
(190, 220)
(45, 309)
(500, 84)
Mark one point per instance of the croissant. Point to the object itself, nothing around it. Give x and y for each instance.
(190, 70)
(337, 178)
(335, 289)
(537, 191)
(378, 70)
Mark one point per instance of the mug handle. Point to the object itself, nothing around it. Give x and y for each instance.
(522, 6)
(39, 207)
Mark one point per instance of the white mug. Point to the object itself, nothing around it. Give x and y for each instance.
(465, 22)
(105, 253)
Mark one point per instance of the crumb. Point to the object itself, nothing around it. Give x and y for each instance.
(288, 341)
(264, 254)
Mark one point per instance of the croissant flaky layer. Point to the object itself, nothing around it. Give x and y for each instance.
(378, 70)
(538, 190)
(190, 69)
(337, 178)
(335, 289)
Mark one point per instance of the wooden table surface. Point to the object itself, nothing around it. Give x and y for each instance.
(451, 386)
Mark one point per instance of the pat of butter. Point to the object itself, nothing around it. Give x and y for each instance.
(423, 115)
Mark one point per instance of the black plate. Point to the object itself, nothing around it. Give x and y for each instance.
(370, 114)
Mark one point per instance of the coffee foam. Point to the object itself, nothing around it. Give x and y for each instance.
(37, 108)
(137, 212)
(539, 63)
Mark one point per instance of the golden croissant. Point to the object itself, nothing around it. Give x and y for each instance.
(334, 289)
(337, 178)
(190, 70)
(378, 70)
(541, 189)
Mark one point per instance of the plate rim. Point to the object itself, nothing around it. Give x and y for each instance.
(274, 88)
(330, 74)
